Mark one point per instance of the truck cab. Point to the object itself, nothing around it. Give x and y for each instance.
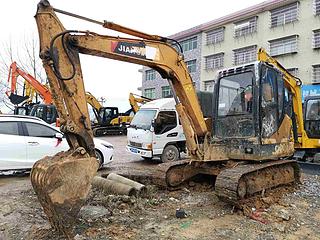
(155, 131)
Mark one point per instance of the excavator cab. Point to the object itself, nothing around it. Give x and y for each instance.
(47, 113)
(250, 118)
(107, 114)
(21, 110)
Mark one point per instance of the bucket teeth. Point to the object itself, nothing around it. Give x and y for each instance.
(62, 183)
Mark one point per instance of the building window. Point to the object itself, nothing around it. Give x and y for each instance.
(208, 86)
(316, 39)
(316, 7)
(192, 65)
(166, 91)
(244, 55)
(150, 75)
(316, 73)
(214, 61)
(189, 44)
(293, 71)
(245, 27)
(284, 45)
(150, 93)
(284, 15)
(215, 36)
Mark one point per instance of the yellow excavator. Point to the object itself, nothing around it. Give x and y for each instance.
(247, 144)
(109, 119)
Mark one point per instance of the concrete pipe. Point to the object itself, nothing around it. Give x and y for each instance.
(118, 178)
(113, 187)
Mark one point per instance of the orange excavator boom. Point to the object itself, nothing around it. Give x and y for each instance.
(15, 72)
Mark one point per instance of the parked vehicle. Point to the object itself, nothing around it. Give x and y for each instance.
(155, 131)
(25, 139)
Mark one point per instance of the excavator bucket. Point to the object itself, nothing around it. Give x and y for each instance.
(62, 183)
(17, 99)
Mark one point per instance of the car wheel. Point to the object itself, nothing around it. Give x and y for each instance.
(170, 153)
(99, 158)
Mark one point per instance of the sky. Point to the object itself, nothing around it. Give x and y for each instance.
(103, 77)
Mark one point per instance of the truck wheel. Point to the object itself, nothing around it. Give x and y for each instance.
(170, 153)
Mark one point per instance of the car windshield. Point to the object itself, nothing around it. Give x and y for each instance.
(143, 119)
(235, 94)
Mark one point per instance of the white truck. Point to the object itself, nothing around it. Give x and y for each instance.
(155, 131)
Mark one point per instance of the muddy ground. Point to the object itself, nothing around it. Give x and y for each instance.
(295, 215)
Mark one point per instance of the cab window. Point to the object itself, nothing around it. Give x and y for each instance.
(312, 118)
(313, 109)
(165, 121)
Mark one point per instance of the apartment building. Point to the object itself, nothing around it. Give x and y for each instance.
(154, 86)
(288, 29)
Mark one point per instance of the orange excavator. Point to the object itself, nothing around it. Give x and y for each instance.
(31, 83)
(247, 146)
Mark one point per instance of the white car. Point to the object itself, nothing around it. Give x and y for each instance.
(25, 139)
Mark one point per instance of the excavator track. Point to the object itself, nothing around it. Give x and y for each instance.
(236, 185)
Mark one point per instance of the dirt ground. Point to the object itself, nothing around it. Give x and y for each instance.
(296, 215)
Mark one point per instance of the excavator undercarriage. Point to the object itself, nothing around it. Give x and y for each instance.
(235, 182)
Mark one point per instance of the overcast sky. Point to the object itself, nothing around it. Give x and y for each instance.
(109, 78)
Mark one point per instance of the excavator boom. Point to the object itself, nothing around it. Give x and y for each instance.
(158, 55)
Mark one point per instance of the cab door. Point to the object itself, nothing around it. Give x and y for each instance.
(275, 122)
(41, 141)
(165, 130)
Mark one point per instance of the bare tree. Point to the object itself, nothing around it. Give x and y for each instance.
(25, 53)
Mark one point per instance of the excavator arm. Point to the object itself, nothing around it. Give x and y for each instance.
(63, 181)
(135, 99)
(13, 77)
(93, 101)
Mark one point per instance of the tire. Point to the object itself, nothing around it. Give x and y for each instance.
(170, 153)
(95, 132)
(147, 158)
(99, 157)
